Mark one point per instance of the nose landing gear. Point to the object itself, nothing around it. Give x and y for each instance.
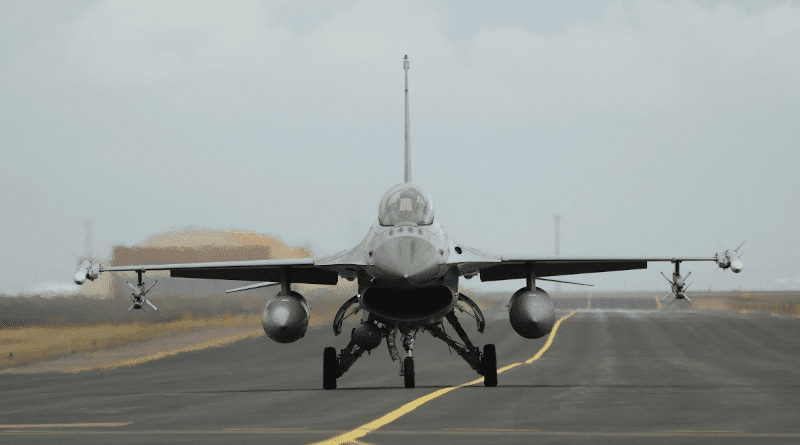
(407, 364)
(408, 372)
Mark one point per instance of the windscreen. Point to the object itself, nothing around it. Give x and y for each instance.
(406, 203)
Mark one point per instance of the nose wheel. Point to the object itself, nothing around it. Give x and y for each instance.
(408, 372)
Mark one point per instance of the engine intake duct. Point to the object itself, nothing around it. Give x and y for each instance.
(409, 305)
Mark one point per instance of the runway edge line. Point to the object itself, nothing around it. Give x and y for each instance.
(384, 420)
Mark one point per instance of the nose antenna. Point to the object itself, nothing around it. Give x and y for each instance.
(408, 127)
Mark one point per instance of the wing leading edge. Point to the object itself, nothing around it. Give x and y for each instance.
(512, 267)
(327, 270)
(303, 270)
(323, 270)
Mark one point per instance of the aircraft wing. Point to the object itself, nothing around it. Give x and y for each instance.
(491, 267)
(323, 270)
(302, 270)
(327, 269)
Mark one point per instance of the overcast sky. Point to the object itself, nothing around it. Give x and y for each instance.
(654, 128)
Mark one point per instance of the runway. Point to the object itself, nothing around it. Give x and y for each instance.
(608, 376)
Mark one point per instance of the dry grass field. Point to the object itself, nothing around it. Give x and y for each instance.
(774, 302)
(20, 346)
(33, 329)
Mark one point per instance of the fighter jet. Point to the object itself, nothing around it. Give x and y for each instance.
(408, 271)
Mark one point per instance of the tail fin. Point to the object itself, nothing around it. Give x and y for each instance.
(408, 127)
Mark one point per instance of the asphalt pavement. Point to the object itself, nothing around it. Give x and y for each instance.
(611, 374)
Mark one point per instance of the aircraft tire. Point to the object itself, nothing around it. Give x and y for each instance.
(489, 366)
(408, 372)
(330, 368)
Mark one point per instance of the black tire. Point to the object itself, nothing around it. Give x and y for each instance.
(408, 372)
(489, 366)
(330, 368)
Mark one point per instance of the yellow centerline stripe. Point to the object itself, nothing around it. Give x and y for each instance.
(367, 428)
(549, 338)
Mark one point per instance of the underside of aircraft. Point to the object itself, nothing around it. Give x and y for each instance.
(408, 272)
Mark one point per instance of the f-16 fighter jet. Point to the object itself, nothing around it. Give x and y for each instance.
(408, 271)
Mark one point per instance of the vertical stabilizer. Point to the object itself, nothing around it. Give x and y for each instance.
(408, 127)
(89, 247)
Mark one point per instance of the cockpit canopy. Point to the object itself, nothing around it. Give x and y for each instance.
(405, 204)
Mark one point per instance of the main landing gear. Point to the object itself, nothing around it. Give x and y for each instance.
(489, 366)
(335, 365)
(330, 368)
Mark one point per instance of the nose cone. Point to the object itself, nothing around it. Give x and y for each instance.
(737, 266)
(80, 277)
(412, 258)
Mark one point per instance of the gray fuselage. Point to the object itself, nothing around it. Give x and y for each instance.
(407, 280)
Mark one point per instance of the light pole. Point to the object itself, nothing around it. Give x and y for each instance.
(557, 218)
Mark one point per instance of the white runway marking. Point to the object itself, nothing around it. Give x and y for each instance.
(64, 425)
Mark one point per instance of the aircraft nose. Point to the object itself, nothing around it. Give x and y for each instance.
(408, 257)
(737, 266)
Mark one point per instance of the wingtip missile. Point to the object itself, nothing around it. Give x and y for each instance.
(86, 270)
(82, 273)
(729, 259)
(736, 262)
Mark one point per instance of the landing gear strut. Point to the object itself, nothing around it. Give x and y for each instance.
(335, 365)
(484, 364)
(407, 364)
